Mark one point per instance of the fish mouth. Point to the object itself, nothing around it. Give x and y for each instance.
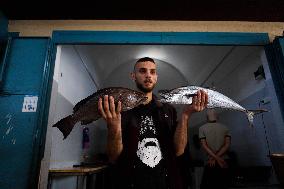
(163, 91)
(163, 95)
(164, 98)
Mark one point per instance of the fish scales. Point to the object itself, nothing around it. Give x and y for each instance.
(183, 95)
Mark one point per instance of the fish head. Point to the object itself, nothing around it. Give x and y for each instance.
(165, 93)
(167, 96)
(176, 96)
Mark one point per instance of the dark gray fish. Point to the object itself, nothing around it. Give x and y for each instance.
(183, 95)
(87, 111)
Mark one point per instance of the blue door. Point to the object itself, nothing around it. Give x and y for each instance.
(275, 56)
(22, 103)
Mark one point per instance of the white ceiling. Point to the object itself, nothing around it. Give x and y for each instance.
(195, 65)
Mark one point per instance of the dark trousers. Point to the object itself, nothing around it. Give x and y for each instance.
(216, 177)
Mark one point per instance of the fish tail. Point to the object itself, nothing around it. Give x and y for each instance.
(65, 125)
(251, 113)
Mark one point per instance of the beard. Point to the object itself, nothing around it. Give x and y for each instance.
(143, 89)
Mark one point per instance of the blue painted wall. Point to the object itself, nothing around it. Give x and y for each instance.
(249, 143)
(20, 131)
(275, 55)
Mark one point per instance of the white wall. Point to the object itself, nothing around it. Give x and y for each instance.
(74, 84)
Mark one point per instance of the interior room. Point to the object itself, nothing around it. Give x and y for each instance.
(80, 70)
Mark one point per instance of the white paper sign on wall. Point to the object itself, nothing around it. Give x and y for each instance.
(30, 104)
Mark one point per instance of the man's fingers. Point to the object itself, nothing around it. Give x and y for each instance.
(194, 100)
(111, 105)
(199, 100)
(203, 99)
(206, 99)
(106, 106)
(118, 108)
(199, 96)
(101, 110)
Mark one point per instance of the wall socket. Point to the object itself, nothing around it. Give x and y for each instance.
(265, 100)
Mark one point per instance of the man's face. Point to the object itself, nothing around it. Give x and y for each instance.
(145, 76)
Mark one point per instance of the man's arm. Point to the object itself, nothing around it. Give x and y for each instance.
(207, 149)
(212, 154)
(199, 103)
(180, 137)
(112, 117)
(225, 147)
(114, 144)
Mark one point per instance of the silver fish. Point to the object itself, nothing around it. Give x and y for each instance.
(86, 111)
(183, 95)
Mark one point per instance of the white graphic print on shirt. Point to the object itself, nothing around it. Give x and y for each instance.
(149, 151)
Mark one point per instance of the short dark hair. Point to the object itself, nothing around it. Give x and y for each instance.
(144, 59)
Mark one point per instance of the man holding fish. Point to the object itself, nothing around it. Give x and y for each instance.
(146, 144)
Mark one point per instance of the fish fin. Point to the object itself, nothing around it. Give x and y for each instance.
(97, 93)
(251, 113)
(65, 125)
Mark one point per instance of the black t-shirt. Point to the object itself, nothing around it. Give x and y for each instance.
(149, 165)
(147, 129)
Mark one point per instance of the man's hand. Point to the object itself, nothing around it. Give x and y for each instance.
(222, 163)
(110, 113)
(198, 104)
(211, 162)
(113, 118)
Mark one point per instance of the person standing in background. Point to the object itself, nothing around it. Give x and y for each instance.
(215, 140)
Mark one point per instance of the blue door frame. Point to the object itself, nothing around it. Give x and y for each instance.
(186, 38)
(163, 38)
